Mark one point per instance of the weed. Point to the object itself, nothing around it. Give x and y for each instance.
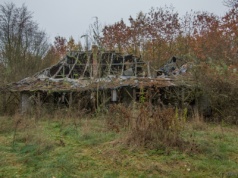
(148, 127)
(91, 150)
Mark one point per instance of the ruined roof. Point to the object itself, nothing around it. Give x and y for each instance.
(36, 84)
(92, 70)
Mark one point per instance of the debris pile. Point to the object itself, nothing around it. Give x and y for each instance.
(173, 67)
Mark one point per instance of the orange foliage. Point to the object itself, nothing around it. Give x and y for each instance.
(160, 34)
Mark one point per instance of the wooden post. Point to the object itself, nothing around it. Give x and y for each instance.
(114, 95)
(110, 65)
(148, 69)
(123, 64)
(93, 101)
(38, 105)
(135, 62)
(134, 94)
(25, 102)
(63, 71)
(95, 61)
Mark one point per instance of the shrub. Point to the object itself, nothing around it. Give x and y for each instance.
(221, 86)
(147, 126)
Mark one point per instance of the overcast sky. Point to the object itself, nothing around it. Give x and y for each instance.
(72, 17)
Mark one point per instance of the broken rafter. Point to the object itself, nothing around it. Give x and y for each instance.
(58, 70)
(86, 66)
(72, 68)
(123, 64)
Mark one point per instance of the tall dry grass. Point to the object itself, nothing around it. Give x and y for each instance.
(148, 127)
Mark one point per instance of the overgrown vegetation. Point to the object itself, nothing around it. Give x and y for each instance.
(207, 40)
(220, 84)
(137, 141)
(148, 126)
(88, 147)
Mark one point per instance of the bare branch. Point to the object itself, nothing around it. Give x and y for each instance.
(231, 3)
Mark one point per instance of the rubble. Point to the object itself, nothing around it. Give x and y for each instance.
(174, 66)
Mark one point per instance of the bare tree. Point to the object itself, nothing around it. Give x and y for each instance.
(231, 3)
(22, 44)
(95, 32)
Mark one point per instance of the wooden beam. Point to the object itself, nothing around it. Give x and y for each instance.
(110, 65)
(148, 69)
(123, 64)
(72, 68)
(25, 102)
(135, 61)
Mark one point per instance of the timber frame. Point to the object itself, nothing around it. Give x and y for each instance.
(89, 80)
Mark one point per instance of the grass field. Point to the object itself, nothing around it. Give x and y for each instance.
(84, 147)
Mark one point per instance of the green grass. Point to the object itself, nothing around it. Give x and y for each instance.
(86, 148)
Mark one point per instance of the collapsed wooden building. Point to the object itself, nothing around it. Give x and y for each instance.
(97, 78)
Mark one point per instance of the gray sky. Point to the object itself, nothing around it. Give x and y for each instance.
(72, 17)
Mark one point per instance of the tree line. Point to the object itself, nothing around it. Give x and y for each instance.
(161, 33)
(209, 40)
(155, 35)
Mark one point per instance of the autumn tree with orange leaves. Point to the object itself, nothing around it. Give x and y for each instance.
(150, 35)
(115, 36)
(161, 33)
(60, 48)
